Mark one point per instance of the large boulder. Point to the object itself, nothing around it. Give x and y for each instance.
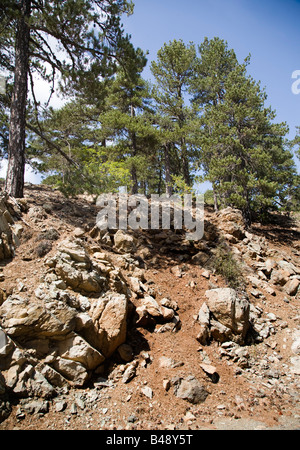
(124, 242)
(109, 316)
(224, 316)
(24, 320)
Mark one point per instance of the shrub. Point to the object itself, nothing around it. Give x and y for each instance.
(226, 266)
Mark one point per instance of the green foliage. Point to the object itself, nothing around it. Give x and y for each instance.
(225, 265)
(203, 113)
(242, 150)
(209, 197)
(173, 72)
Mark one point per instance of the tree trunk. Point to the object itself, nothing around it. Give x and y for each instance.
(216, 207)
(14, 184)
(169, 189)
(185, 163)
(134, 180)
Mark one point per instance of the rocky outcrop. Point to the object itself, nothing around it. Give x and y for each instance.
(66, 334)
(10, 211)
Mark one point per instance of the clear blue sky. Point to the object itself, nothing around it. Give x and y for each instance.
(268, 29)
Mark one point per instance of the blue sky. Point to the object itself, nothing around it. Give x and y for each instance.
(268, 30)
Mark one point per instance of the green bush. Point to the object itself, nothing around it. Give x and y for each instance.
(225, 265)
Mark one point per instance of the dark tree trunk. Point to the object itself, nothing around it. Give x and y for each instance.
(16, 147)
(216, 207)
(185, 163)
(134, 180)
(169, 189)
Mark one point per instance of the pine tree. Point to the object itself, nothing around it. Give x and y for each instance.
(296, 142)
(243, 149)
(128, 123)
(212, 67)
(88, 32)
(173, 71)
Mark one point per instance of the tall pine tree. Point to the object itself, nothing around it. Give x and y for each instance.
(172, 72)
(88, 32)
(243, 149)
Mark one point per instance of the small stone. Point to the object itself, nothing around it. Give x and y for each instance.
(206, 274)
(147, 391)
(188, 417)
(190, 389)
(129, 372)
(60, 406)
(20, 415)
(166, 385)
(292, 286)
(73, 409)
(126, 353)
(132, 419)
(211, 371)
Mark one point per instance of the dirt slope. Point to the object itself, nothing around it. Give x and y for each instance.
(263, 393)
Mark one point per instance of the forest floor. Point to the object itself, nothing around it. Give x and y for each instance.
(264, 395)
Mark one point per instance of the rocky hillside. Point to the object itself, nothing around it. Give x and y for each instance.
(145, 330)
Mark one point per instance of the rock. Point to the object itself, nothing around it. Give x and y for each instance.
(109, 315)
(166, 384)
(30, 382)
(291, 287)
(279, 277)
(151, 306)
(135, 285)
(147, 391)
(288, 267)
(53, 377)
(124, 242)
(75, 348)
(296, 342)
(130, 372)
(204, 319)
(25, 320)
(167, 314)
(60, 405)
(190, 389)
(74, 266)
(230, 221)
(74, 249)
(2, 385)
(125, 351)
(211, 371)
(230, 310)
(73, 371)
(269, 265)
(36, 407)
(295, 365)
(176, 271)
(170, 363)
(206, 274)
(166, 302)
(5, 409)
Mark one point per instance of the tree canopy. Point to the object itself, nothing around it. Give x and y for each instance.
(202, 117)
